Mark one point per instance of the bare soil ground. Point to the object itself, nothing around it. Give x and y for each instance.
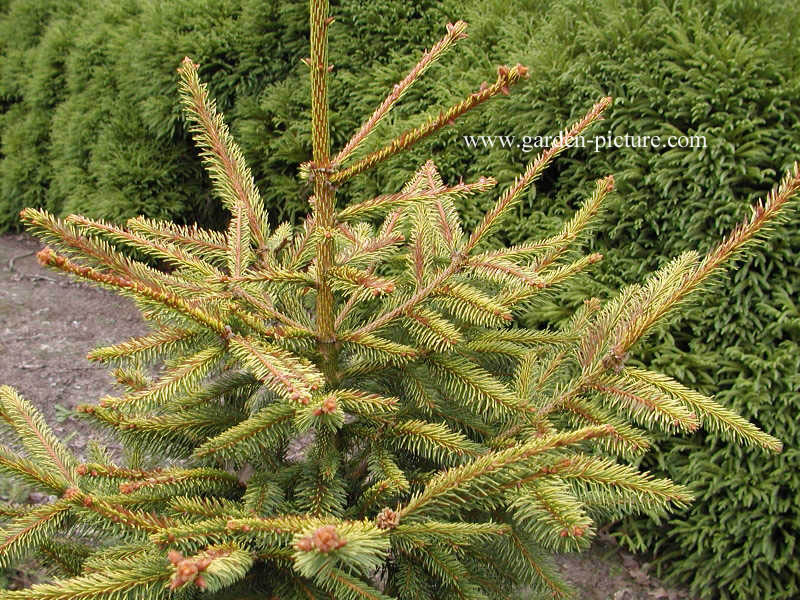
(48, 323)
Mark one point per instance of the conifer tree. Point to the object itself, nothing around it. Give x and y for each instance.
(347, 408)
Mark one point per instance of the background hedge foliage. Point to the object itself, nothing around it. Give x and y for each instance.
(89, 123)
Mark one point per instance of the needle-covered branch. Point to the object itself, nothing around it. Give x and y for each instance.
(506, 77)
(455, 31)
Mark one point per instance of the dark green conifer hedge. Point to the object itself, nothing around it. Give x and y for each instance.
(88, 124)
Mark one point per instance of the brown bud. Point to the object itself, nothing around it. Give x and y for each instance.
(387, 519)
(44, 256)
(186, 569)
(304, 544)
(328, 405)
(326, 539)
